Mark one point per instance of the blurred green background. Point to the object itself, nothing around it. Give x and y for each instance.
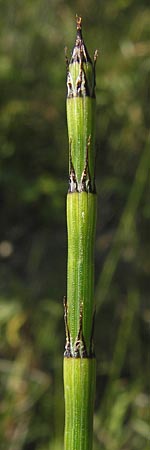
(33, 240)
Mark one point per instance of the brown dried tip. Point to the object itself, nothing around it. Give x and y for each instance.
(78, 22)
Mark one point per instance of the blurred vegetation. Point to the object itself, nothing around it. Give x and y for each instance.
(33, 245)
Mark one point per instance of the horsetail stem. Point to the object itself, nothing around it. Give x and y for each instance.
(79, 308)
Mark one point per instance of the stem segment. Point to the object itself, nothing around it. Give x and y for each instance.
(79, 308)
(79, 381)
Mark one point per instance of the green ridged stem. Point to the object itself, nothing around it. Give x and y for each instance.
(79, 381)
(80, 131)
(79, 307)
(81, 219)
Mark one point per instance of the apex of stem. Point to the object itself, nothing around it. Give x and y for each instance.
(79, 22)
(80, 68)
(80, 53)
